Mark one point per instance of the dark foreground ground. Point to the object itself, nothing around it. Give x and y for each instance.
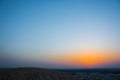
(95, 74)
(47, 74)
(34, 74)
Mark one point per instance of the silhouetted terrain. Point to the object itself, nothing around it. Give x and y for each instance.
(33, 74)
(59, 74)
(94, 74)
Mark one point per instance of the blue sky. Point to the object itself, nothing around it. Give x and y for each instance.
(44, 28)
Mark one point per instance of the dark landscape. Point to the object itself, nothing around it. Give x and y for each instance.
(33, 74)
(95, 74)
(59, 74)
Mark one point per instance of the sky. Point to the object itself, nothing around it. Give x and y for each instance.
(60, 33)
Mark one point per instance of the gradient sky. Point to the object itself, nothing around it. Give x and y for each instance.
(60, 33)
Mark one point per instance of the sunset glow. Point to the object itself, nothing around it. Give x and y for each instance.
(89, 59)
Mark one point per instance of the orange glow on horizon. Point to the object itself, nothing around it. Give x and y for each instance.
(86, 58)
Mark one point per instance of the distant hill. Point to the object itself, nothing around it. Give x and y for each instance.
(33, 74)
